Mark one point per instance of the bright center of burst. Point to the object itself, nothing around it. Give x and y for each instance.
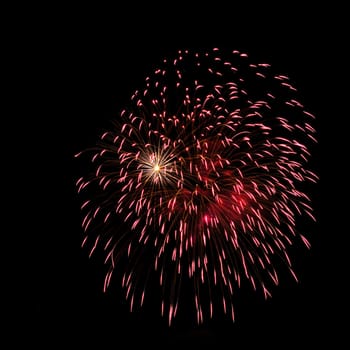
(156, 168)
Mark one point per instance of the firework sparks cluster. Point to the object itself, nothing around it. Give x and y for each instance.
(199, 179)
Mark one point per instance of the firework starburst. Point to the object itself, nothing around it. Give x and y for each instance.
(204, 168)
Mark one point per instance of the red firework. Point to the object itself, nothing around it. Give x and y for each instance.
(204, 168)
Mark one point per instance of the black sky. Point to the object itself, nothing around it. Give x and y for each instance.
(89, 66)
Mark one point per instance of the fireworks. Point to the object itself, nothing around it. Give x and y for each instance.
(200, 178)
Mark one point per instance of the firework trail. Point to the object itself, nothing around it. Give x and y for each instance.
(204, 170)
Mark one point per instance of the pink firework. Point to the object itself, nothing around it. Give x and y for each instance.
(202, 175)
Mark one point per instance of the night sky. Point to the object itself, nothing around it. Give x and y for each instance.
(89, 67)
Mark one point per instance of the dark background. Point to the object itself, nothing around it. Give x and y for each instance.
(87, 65)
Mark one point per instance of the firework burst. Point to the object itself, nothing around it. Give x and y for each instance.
(204, 169)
